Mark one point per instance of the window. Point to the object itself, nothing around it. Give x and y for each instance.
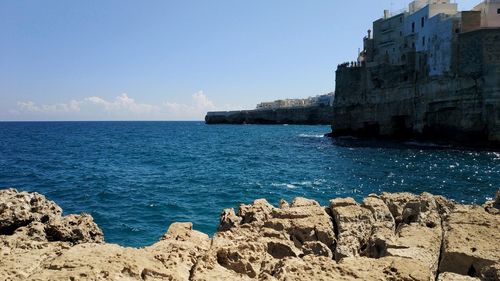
(423, 41)
(412, 27)
(498, 11)
(422, 20)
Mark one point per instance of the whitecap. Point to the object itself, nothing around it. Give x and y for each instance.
(287, 185)
(312, 136)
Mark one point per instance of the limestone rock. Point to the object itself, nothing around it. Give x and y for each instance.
(419, 243)
(251, 250)
(75, 229)
(396, 203)
(448, 276)
(18, 209)
(284, 204)
(354, 227)
(350, 269)
(383, 228)
(259, 211)
(228, 219)
(420, 233)
(493, 206)
(103, 262)
(179, 249)
(491, 273)
(304, 202)
(316, 248)
(388, 237)
(342, 202)
(445, 206)
(471, 241)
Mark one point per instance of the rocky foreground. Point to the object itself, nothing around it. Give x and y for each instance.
(398, 236)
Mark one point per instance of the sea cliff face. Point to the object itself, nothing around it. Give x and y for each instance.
(400, 101)
(391, 236)
(314, 115)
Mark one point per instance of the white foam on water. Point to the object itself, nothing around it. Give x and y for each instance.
(311, 136)
(287, 185)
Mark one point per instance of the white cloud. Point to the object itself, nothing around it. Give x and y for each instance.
(123, 103)
(72, 106)
(121, 107)
(201, 101)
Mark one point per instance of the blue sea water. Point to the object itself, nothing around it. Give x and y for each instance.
(136, 178)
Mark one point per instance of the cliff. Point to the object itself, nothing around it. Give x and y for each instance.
(402, 101)
(398, 236)
(315, 115)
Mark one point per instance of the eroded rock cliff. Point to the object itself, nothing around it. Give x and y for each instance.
(398, 236)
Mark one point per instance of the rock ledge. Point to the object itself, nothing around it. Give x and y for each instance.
(391, 236)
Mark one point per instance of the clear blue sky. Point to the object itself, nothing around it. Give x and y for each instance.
(172, 60)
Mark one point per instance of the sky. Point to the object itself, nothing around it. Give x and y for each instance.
(172, 59)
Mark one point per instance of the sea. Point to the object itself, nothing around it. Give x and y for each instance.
(136, 178)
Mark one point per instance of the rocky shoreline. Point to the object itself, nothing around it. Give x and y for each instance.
(312, 115)
(391, 236)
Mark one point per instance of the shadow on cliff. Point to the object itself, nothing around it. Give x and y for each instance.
(400, 144)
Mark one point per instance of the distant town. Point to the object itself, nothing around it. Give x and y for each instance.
(320, 100)
(427, 72)
(424, 35)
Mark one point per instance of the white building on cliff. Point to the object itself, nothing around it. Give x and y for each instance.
(422, 37)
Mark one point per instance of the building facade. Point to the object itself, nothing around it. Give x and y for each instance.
(424, 36)
(321, 100)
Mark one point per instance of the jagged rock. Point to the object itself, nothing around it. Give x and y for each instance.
(316, 248)
(381, 213)
(297, 241)
(259, 211)
(471, 241)
(304, 202)
(350, 269)
(354, 227)
(493, 206)
(179, 249)
(445, 206)
(228, 219)
(419, 243)
(249, 250)
(75, 229)
(491, 273)
(342, 202)
(284, 204)
(396, 203)
(252, 249)
(383, 228)
(448, 276)
(18, 209)
(33, 217)
(419, 235)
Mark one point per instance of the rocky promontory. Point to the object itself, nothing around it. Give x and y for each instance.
(391, 236)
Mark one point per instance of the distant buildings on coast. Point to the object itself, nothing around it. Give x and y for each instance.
(424, 35)
(320, 100)
(427, 72)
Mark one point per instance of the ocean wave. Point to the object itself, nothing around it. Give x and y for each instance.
(287, 185)
(297, 184)
(312, 136)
